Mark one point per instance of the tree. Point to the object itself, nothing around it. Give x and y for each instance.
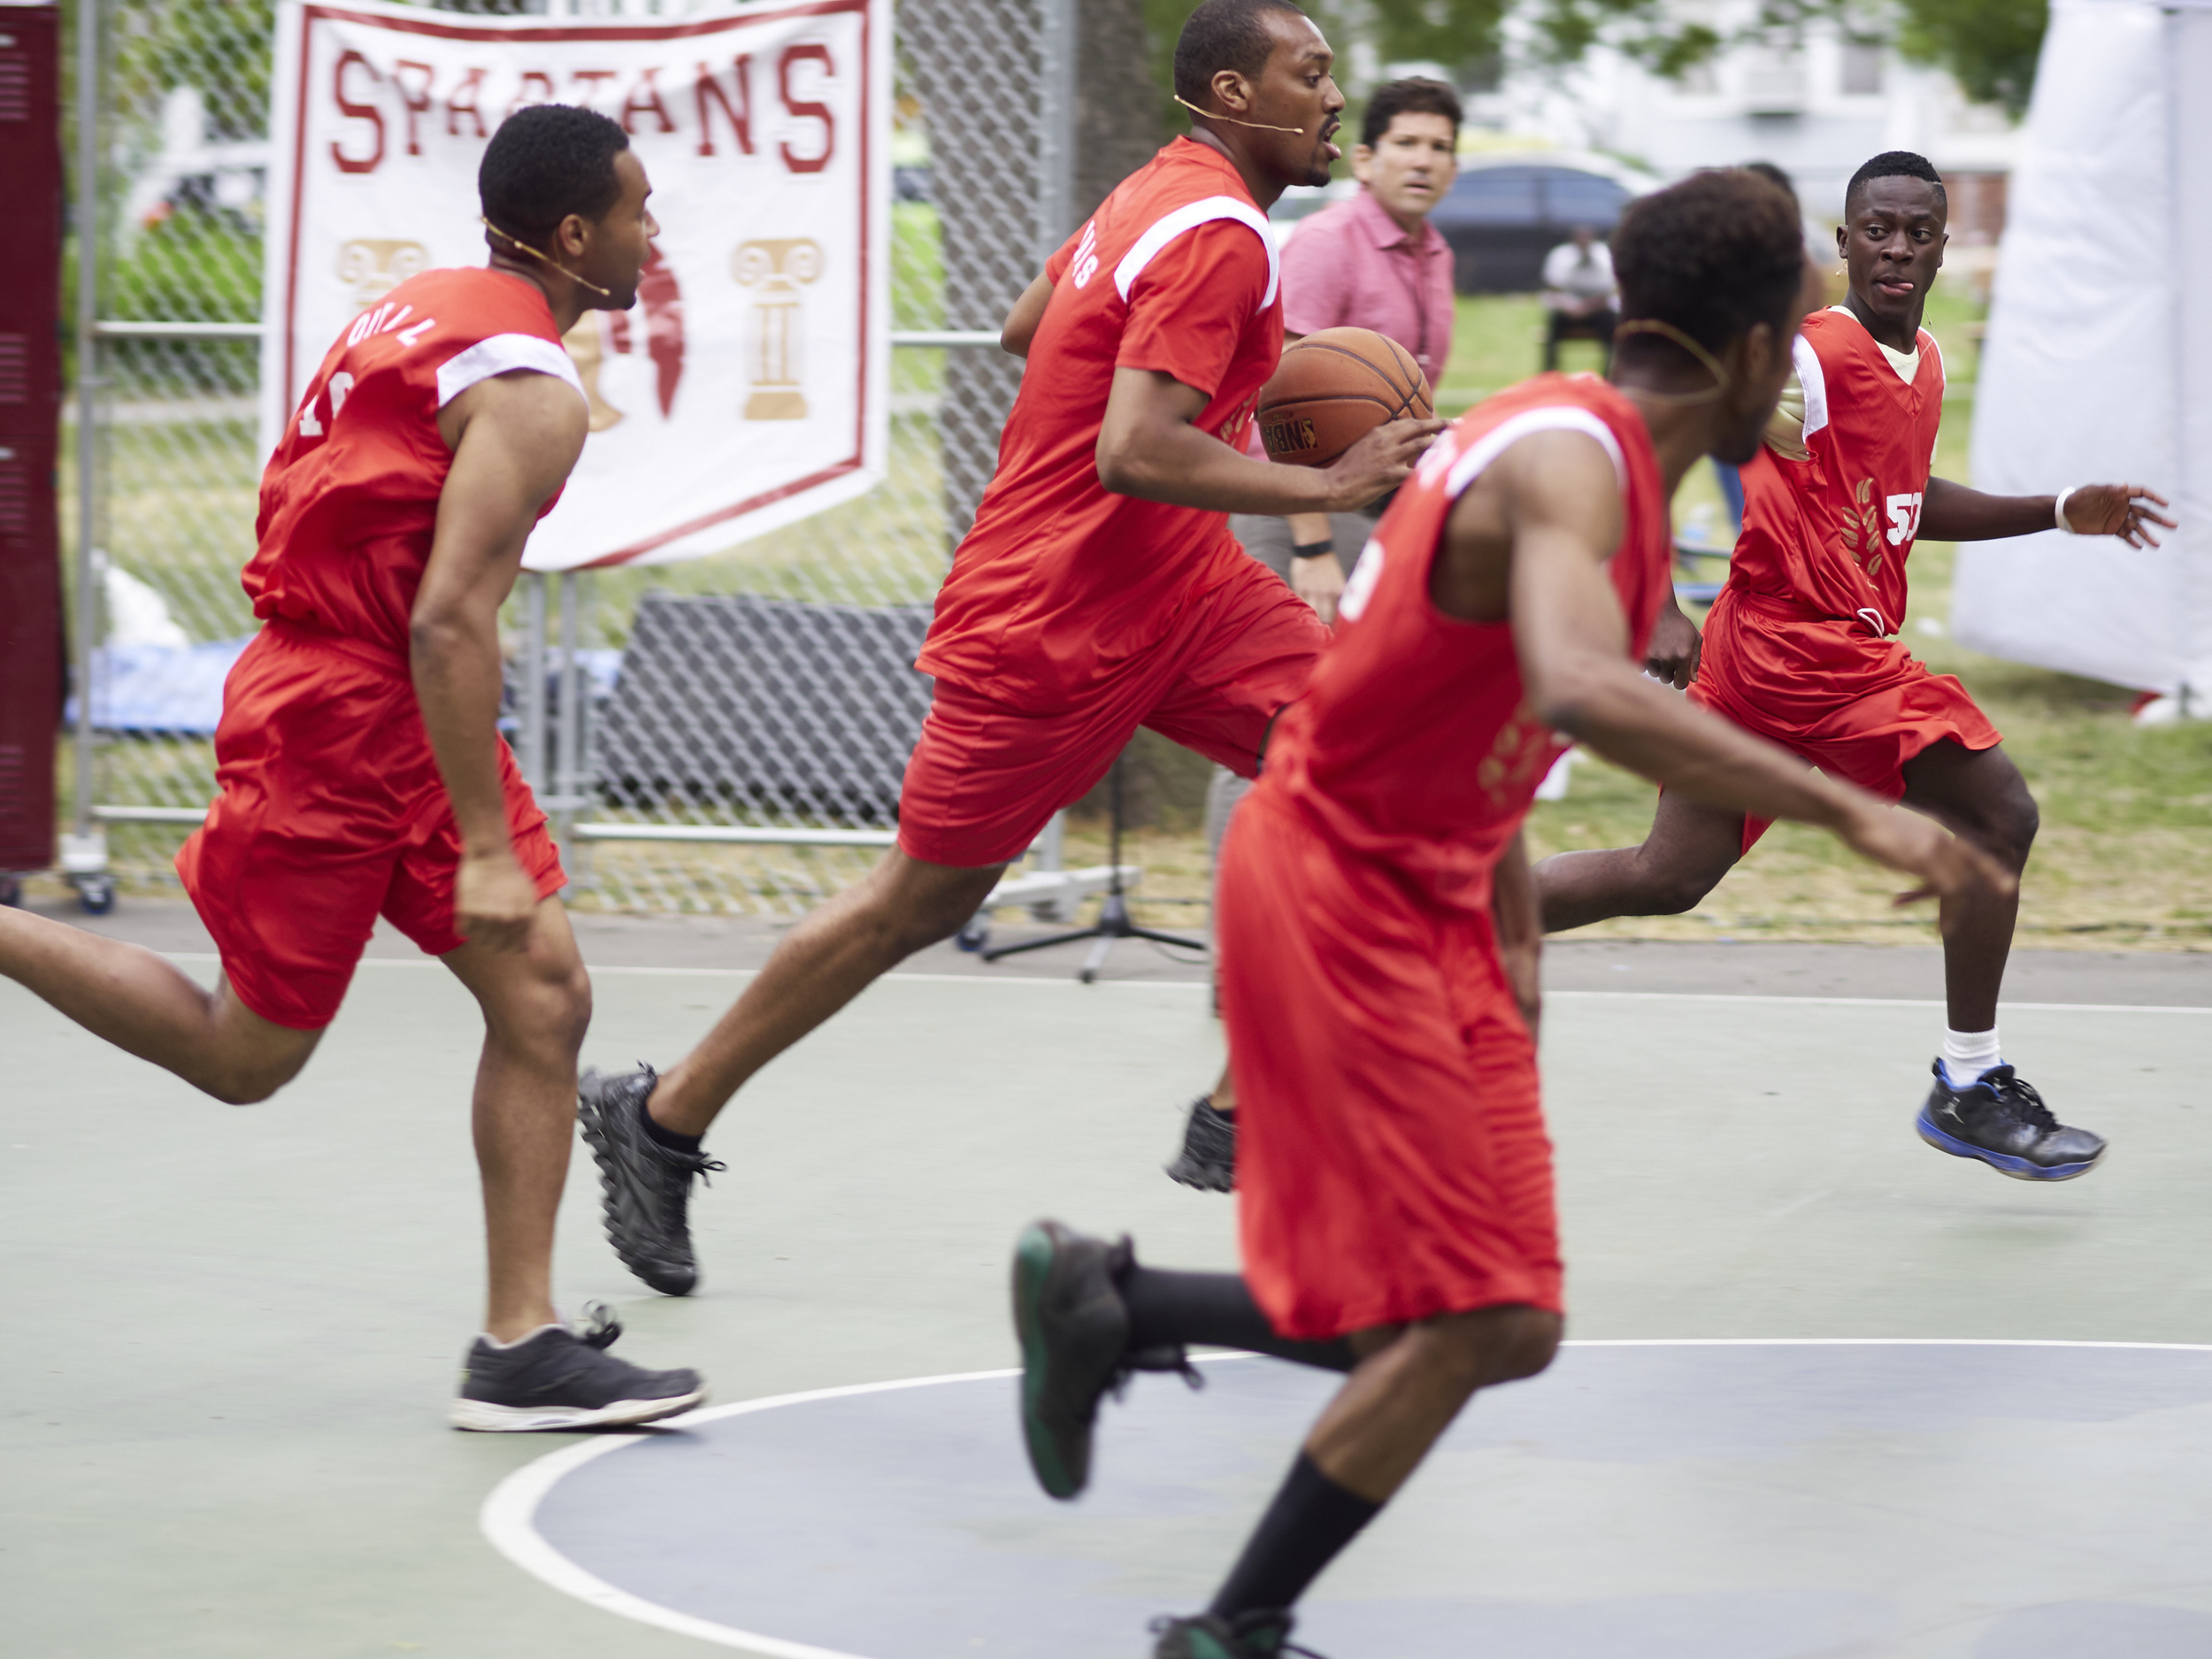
(1990, 46)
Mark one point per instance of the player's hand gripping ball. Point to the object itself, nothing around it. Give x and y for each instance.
(1333, 388)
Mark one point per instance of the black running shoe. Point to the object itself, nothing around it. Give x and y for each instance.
(1208, 1158)
(559, 1379)
(646, 1186)
(1254, 1635)
(1073, 1327)
(2003, 1122)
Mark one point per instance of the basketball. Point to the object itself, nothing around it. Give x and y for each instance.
(1333, 388)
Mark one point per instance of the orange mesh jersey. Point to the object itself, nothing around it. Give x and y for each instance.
(349, 500)
(1415, 746)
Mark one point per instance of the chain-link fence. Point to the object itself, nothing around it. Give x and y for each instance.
(728, 733)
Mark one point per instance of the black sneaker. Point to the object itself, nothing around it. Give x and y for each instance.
(558, 1378)
(1208, 1158)
(1073, 1327)
(1254, 1635)
(646, 1186)
(1074, 1333)
(2003, 1122)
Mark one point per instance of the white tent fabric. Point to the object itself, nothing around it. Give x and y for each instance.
(2098, 363)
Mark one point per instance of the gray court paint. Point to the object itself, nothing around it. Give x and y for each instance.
(1755, 1501)
(235, 1327)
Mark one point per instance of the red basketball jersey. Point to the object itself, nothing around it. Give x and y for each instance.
(1060, 579)
(349, 500)
(1415, 746)
(1831, 529)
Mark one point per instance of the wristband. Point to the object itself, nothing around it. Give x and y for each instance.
(1316, 550)
(2058, 509)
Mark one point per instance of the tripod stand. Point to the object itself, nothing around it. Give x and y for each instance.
(1113, 910)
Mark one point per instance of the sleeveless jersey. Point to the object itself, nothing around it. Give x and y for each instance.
(1415, 746)
(1830, 521)
(349, 500)
(1060, 579)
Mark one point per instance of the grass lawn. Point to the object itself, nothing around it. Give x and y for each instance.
(2127, 813)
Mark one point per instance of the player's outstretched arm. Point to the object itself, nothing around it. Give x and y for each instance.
(1517, 915)
(1149, 448)
(514, 439)
(1531, 538)
(1956, 513)
(1021, 322)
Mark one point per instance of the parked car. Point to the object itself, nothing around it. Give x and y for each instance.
(1505, 212)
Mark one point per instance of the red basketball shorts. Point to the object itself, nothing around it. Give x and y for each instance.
(1392, 1159)
(986, 775)
(1855, 706)
(330, 813)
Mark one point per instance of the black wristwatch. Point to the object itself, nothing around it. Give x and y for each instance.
(1313, 550)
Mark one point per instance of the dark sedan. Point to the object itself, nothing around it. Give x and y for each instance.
(1502, 219)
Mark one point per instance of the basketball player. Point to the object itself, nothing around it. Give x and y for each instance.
(1801, 648)
(1380, 938)
(1099, 591)
(360, 769)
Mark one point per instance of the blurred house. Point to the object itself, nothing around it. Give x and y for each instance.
(1816, 108)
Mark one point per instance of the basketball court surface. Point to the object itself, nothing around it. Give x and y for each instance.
(1830, 1393)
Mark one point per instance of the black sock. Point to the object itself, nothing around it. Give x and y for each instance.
(1305, 1528)
(1168, 1307)
(667, 1138)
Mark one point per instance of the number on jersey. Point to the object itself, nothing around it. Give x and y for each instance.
(341, 386)
(1904, 518)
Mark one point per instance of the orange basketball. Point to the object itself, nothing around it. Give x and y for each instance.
(1333, 388)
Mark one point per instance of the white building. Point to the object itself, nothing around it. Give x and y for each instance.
(1817, 110)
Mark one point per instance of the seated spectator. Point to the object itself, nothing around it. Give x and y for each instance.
(1579, 295)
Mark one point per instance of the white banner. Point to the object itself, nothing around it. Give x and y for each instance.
(748, 385)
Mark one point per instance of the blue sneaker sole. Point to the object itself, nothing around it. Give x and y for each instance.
(2004, 1163)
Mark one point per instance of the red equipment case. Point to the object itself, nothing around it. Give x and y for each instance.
(31, 651)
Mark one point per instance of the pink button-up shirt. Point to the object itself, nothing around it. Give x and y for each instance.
(1350, 265)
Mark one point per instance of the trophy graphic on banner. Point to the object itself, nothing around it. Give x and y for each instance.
(778, 268)
(373, 267)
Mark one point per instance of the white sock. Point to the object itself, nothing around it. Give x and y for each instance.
(1967, 1055)
(494, 1341)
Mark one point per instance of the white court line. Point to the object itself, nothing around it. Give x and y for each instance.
(1878, 1001)
(509, 1514)
(508, 1520)
(1201, 984)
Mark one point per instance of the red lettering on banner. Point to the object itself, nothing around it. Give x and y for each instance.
(591, 78)
(739, 116)
(418, 100)
(537, 79)
(368, 113)
(645, 99)
(473, 84)
(812, 52)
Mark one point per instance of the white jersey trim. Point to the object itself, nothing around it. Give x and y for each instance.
(1814, 383)
(1166, 229)
(503, 354)
(1470, 463)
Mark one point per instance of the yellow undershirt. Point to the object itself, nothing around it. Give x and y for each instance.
(1785, 429)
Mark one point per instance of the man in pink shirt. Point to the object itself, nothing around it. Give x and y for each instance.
(1373, 262)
